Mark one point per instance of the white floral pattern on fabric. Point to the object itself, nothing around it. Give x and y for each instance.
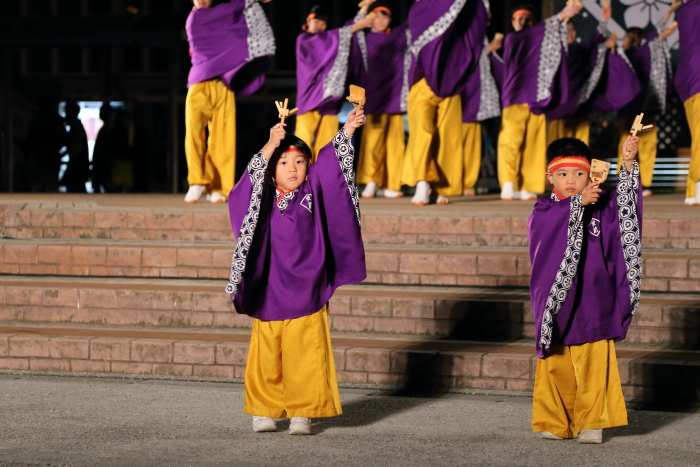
(286, 198)
(659, 74)
(362, 41)
(345, 152)
(490, 99)
(627, 198)
(439, 27)
(261, 40)
(567, 270)
(550, 56)
(256, 172)
(407, 60)
(334, 84)
(641, 13)
(594, 78)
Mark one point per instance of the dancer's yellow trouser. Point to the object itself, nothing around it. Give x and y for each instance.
(692, 112)
(471, 148)
(381, 151)
(429, 115)
(578, 388)
(212, 161)
(290, 370)
(579, 128)
(522, 146)
(316, 130)
(646, 152)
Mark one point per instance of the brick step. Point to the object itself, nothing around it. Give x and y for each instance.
(466, 313)
(665, 270)
(647, 372)
(481, 221)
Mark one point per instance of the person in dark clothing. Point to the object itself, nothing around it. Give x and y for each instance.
(78, 171)
(42, 146)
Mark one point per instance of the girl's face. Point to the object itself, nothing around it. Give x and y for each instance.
(291, 170)
(568, 181)
(381, 22)
(201, 4)
(315, 26)
(521, 22)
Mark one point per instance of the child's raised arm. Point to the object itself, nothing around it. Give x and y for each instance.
(629, 151)
(356, 118)
(277, 134)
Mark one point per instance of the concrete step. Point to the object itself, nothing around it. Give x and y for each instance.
(670, 270)
(464, 313)
(647, 372)
(479, 221)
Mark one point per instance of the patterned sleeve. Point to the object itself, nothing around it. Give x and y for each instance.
(630, 229)
(334, 84)
(345, 152)
(256, 172)
(553, 43)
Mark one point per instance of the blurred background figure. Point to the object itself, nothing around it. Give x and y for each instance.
(78, 170)
(42, 146)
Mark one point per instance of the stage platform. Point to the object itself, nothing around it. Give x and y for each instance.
(134, 284)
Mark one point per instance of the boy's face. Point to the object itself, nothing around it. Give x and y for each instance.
(315, 26)
(291, 170)
(381, 22)
(201, 4)
(521, 22)
(568, 181)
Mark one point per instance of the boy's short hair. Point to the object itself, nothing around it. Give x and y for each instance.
(319, 12)
(289, 142)
(567, 147)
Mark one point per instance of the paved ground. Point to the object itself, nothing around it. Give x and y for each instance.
(47, 420)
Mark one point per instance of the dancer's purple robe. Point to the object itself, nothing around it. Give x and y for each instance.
(232, 42)
(446, 41)
(688, 72)
(532, 58)
(480, 95)
(617, 86)
(291, 255)
(652, 63)
(322, 68)
(586, 265)
(385, 62)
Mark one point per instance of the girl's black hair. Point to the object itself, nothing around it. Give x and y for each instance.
(567, 147)
(289, 141)
(524, 6)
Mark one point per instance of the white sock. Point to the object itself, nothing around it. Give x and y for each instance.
(422, 196)
(194, 193)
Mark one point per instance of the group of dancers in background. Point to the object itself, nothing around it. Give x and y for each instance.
(441, 69)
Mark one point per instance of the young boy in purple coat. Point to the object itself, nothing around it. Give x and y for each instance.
(585, 250)
(297, 227)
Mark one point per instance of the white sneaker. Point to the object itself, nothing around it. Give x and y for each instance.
(300, 426)
(548, 435)
(216, 198)
(422, 196)
(591, 436)
(194, 193)
(370, 190)
(469, 192)
(646, 193)
(507, 193)
(527, 196)
(391, 193)
(443, 200)
(263, 424)
(690, 202)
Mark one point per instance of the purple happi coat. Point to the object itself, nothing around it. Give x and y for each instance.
(378, 65)
(480, 95)
(293, 252)
(232, 42)
(586, 265)
(322, 69)
(652, 63)
(446, 41)
(532, 59)
(617, 86)
(688, 72)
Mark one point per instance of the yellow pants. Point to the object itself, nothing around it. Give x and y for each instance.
(578, 388)
(429, 115)
(381, 151)
(471, 134)
(579, 128)
(212, 161)
(522, 147)
(316, 130)
(692, 112)
(290, 370)
(646, 153)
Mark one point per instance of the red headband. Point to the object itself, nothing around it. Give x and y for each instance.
(569, 161)
(293, 149)
(523, 11)
(383, 9)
